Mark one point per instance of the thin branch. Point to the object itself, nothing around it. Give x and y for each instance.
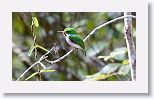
(91, 33)
(42, 65)
(59, 59)
(27, 70)
(107, 23)
(38, 62)
(130, 45)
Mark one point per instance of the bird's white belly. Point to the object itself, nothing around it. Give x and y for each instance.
(71, 43)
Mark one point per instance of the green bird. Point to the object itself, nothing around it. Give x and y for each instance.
(73, 38)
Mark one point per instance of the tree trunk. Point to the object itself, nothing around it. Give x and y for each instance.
(130, 44)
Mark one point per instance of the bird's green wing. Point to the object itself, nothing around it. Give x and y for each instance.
(77, 39)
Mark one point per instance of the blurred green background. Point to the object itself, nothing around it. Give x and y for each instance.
(106, 59)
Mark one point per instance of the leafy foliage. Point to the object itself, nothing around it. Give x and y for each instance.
(118, 54)
(120, 66)
(36, 23)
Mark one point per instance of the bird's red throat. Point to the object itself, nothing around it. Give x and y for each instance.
(64, 34)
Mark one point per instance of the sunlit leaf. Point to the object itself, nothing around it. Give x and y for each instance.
(32, 75)
(42, 48)
(31, 50)
(95, 77)
(101, 77)
(109, 68)
(43, 71)
(36, 23)
(125, 62)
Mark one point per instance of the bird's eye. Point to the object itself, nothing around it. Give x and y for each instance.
(67, 31)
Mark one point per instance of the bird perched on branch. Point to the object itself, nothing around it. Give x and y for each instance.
(73, 38)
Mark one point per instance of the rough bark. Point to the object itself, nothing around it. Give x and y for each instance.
(130, 44)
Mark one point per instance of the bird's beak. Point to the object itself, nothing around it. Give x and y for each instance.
(60, 31)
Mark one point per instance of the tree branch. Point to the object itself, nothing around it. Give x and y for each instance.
(130, 44)
(107, 23)
(38, 62)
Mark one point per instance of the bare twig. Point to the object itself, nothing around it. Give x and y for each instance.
(59, 59)
(38, 62)
(130, 45)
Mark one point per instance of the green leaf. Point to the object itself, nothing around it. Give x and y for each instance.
(31, 50)
(112, 78)
(43, 71)
(95, 77)
(125, 62)
(100, 77)
(42, 48)
(109, 68)
(32, 75)
(124, 70)
(36, 23)
(118, 54)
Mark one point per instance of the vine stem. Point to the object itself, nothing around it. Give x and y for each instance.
(35, 49)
